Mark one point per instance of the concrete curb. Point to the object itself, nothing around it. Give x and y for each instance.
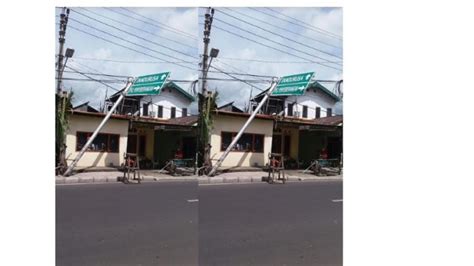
(244, 179)
(71, 180)
(200, 179)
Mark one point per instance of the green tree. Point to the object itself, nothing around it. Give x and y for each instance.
(63, 108)
(208, 107)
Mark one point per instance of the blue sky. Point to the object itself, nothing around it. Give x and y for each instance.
(96, 55)
(305, 40)
(93, 54)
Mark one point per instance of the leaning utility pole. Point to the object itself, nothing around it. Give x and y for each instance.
(101, 125)
(237, 137)
(62, 34)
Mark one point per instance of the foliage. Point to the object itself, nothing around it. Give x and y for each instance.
(208, 106)
(63, 107)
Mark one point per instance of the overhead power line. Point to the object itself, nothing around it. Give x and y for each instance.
(220, 58)
(275, 61)
(282, 28)
(97, 74)
(274, 48)
(154, 62)
(240, 80)
(235, 68)
(115, 81)
(125, 40)
(243, 74)
(229, 65)
(296, 24)
(124, 77)
(92, 69)
(223, 72)
(119, 81)
(270, 40)
(136, 36)
(277, 34)
(91, 78)
(102, 81)
(164, 25)
(267, 78)
(139, 29)
(307, 24)
(157, 25)
(128, 61)
(129, 48)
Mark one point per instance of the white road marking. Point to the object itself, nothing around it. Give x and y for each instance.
(193, 200)
(337, 200)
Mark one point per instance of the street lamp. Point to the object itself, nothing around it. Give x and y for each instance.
(69, 54)
(214, 53)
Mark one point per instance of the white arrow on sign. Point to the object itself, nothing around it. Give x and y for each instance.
(308, 76)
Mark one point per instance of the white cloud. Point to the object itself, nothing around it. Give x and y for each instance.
(186, 20)
(102, 53)
(92, 47)
(234, 47)
(330, 21)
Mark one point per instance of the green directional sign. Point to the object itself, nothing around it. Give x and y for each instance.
(148, 85)
(293, 84)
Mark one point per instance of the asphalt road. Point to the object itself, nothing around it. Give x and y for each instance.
(237, 224)
(117, 224)
(261, 224)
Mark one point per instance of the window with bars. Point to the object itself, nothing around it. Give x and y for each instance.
(305, 111)
(102, 142)
(247, 142)
(329, 112)
(289, 112)
(160, 111)
(318, 112)
(145, 109)
(184, 112)
(173, 112)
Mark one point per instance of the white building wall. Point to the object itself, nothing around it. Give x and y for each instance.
(312, 99)
(228, 123)
(87, 123)
(167, 98)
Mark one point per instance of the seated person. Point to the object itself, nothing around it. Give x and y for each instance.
(178, 154)
(323, 154)
(130, 162)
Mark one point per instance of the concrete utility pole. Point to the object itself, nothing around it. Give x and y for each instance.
(203, 101)
(101, 125)
(62, 34)
(207, 32)
(237, 137)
